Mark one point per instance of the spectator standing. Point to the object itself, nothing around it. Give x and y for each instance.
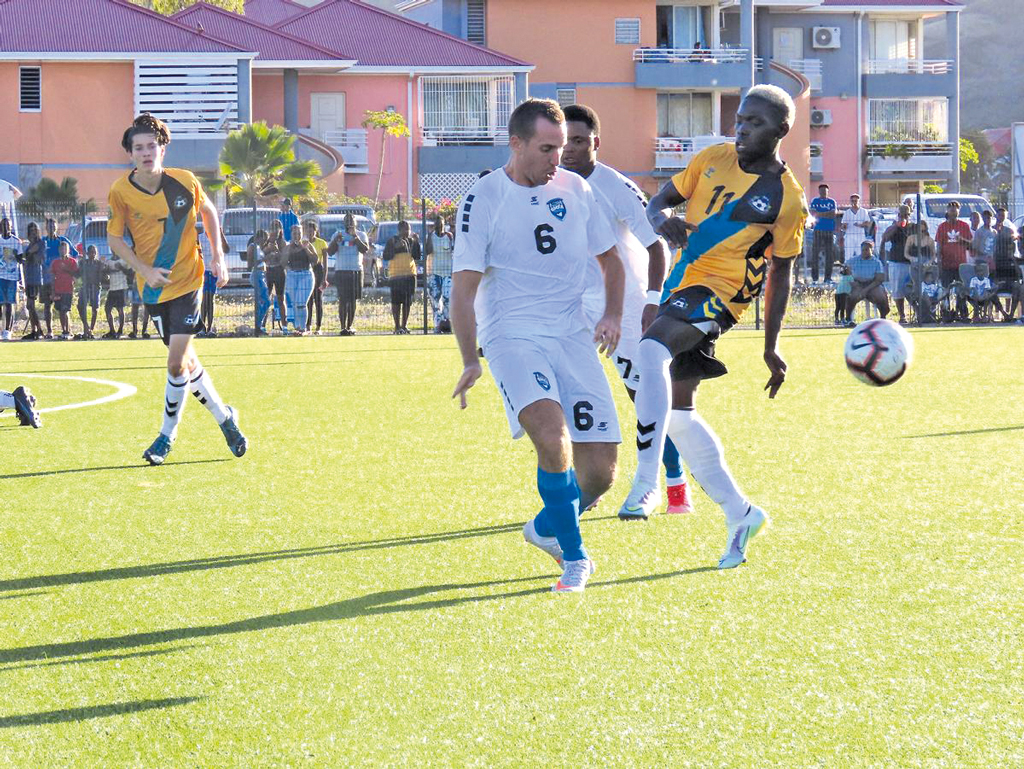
(1006, 264)
(10, 274)
(843, 287)
(868, 275)
(258, 277)
(975, 221)
(275, 253)
(898, 262)
(920, 247)
(117, 274)
(64, 271)
(299, 257)
(52, 241)
(316, 299)
(438, 274)
(984, 244)
(953, 238)
(348, 248)
(287, 218)
(33, 256)
(823, 208)
(207, 306)
(854, 227)
(90, 273)
(136, 299)
(402, 253)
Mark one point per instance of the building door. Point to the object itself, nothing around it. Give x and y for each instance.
(787, 44)
(327, 114)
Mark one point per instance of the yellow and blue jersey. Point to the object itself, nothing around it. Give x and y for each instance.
(163, 228)
(741, 220)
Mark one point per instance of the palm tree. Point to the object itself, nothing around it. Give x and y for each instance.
(48, 197)
(258, 160)
(392, 124)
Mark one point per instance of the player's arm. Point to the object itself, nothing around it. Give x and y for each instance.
(776, 299)
(659, 214)
(609, 328)
(212, 224)
(463, 317)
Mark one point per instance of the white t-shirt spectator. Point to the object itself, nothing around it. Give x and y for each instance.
(118, 277)
(9, 250)
(931, 290)
(979, 287)
(854, 232)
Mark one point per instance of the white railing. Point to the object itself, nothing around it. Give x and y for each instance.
(809, 68)
(909, 66)
(912, 157)
(690, 55)
(351, 143)
(897, 149)
(675, 153)
(442, 137)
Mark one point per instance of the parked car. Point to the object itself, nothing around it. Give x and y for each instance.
(95, 235)
(236, 224)
(354, 208)
(330, 224)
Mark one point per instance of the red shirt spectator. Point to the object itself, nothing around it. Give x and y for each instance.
(64, 271)
(953, 239)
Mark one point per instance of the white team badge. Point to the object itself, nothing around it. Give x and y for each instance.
(760, 203)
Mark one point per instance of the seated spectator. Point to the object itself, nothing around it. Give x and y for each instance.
(90, 271)
(64, 271)
(980, 294)
(33, 255)
(868, 276)
(931, 296)
(10, 274)
(843, 287)
(117, 274)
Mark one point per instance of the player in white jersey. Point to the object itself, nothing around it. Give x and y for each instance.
(524, 237)
(645, 260)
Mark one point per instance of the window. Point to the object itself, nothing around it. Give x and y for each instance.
(684, 114)
(476, 21)
(31, 89)
(627, 31)
(565, 95)
(908, 120)
(683, 26)
(894, 40)
(467, 110)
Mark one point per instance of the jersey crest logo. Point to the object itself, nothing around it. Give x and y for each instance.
(542, 380)
(180, 202)
(761, 204)
(557, 207)
(191, 320)
(709, 172)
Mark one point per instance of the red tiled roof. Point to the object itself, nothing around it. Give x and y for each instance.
(272, 44)
(897, 3)
(97, 26)
(378, 38)
(271, 12)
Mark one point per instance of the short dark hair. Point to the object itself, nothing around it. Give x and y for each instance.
(523, 121)
(1003, 209)
(146, 124)
(581, 113)
(823, 185)
(953, 204)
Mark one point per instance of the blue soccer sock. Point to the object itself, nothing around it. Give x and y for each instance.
(670, 458)
(561, 513)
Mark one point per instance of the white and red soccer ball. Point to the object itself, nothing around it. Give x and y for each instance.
(878, 352)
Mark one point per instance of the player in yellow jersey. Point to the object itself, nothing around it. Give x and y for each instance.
(156, 208)
(745, 214)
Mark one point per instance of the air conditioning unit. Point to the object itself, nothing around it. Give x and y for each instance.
(825, 37)
(820, 118)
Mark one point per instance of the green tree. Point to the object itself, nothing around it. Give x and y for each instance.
(968, 155)
(258, 161)
(168, 7)
(49, 198)
(391, 124)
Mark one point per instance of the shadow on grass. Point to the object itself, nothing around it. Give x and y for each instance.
(71, 715)
(967, 432)
(23, 595)
(104, 658)
(383, 602)
(245, 559)
(140, 466)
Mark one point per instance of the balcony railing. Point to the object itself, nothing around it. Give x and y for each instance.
(690, 55)
(909, 66)
(809, 68)
(446, 137)
(912, 157)
(675, 153)
(351, 143)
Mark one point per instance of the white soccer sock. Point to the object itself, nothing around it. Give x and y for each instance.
(174, 404)
(206, 393)
(6, 400)
(701, 450)
(653, 407)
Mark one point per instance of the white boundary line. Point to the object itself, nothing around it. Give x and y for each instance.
(122, 391)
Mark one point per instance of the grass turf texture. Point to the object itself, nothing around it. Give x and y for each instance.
(355, 590)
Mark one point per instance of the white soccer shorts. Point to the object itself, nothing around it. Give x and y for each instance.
(565, 370)
(629, 341)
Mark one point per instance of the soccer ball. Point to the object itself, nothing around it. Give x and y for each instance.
(878, 352)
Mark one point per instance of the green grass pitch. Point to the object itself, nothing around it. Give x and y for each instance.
(356, 591)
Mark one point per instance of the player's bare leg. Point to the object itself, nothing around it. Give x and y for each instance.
(595, 464)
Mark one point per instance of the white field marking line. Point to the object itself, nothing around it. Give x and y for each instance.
(122, 391)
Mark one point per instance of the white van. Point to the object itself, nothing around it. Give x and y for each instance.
(933, 207)
(237, 226)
